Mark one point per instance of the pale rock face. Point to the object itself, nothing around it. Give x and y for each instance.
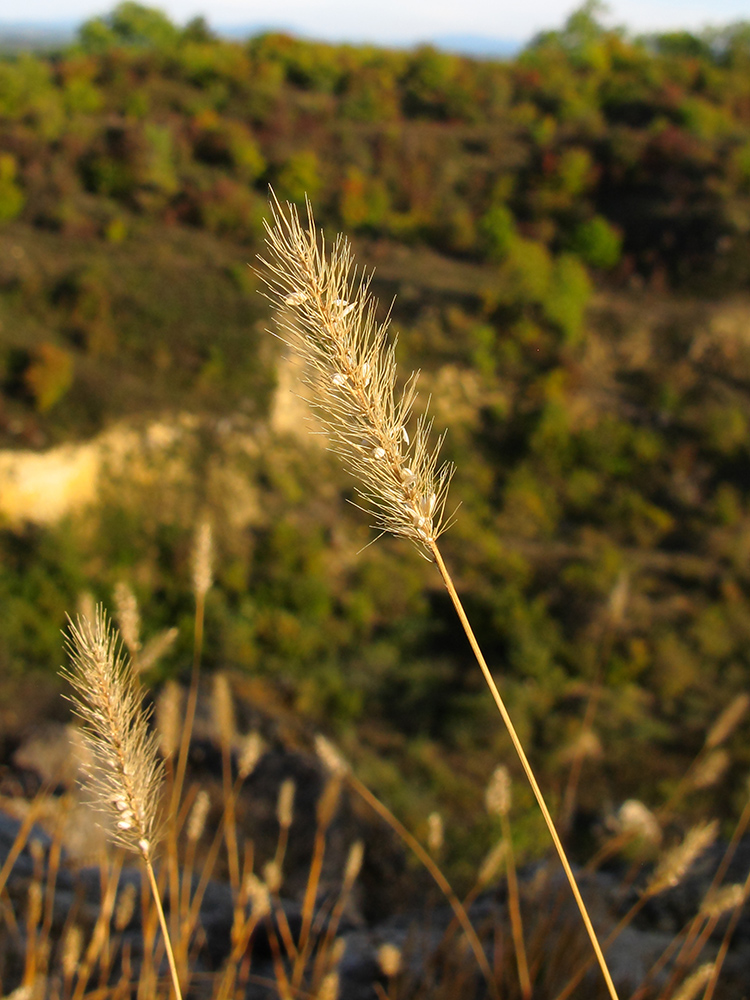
(43, 487)
(290, 413)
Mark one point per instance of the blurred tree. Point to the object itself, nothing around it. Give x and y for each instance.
(130, 25)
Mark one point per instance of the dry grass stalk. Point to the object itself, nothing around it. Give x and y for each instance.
(202, 578)
(492, 863)
(498, 798)
(223, 710)
(326, 314)
(728, 721)
(124, 771)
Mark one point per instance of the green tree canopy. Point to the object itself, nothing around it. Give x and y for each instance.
(130, 25)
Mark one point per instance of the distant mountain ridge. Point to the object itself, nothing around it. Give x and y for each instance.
(27, 36)
(43, 35)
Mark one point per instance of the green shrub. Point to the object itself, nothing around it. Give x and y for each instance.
(597, 242)
(49, 375)
(12, 198)
(497, 230)
(567, 296)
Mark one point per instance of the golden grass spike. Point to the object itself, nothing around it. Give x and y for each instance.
(285, 803)
(435, 833)
(389, 959)
(203, 559)
(196, 823)
(675, 863)
(327, 315)
(710, 769)
(695, 983)
(497, 797)
(169, 717)
(123, 769)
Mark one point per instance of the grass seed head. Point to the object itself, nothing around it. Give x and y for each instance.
(711, 768)
(259, 896)
(71, 950)
(223, 709)
(125, 906)
(285, 803)
(435, 833)
(251, 751)
(203, 559)
(692, 986)
(330, 757)
(272, 876)
(329, 988)
(124, 773)
(328, 316)
(722, 900)
(329, 801)
(169, 718)
(389, 959)
(354, 861)
(676, 862)
(196, 823)
(497, 796)
(634, 819)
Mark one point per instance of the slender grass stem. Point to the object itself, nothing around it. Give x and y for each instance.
(413, 844)
(192, 700)
(164, 929)
(514, 906)
(518, 746)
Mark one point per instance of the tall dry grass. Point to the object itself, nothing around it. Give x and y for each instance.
(326, 313)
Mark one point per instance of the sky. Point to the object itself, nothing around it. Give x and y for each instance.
(398, 21)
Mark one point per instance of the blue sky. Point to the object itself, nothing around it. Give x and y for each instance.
(399, 21)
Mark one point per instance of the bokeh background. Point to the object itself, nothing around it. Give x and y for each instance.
(563, 228)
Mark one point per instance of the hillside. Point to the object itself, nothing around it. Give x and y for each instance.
(567, 235)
